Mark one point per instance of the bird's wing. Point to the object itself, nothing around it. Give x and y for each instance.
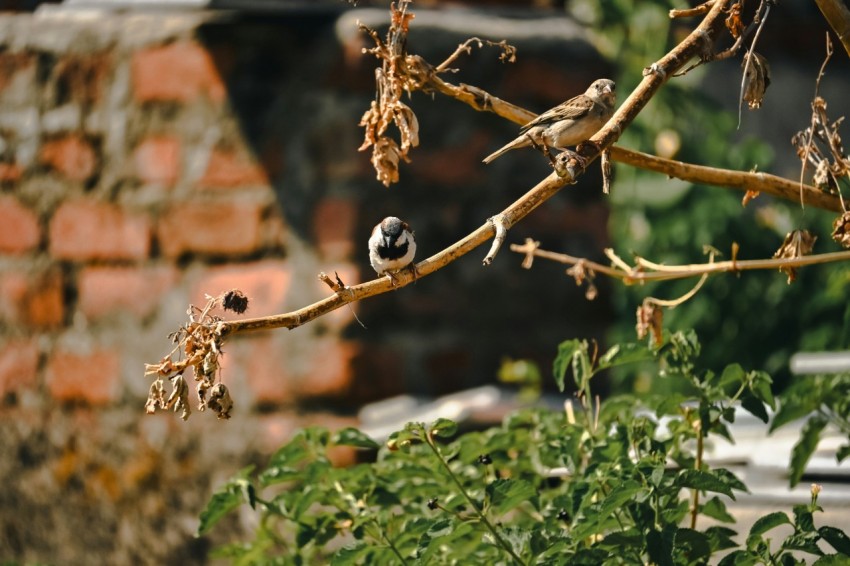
(570, 110)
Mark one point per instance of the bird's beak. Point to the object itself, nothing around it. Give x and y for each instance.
(388, 242)
(607, 89)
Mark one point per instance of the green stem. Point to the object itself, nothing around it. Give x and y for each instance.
(698, 466)
(391, 545)
(429, 441)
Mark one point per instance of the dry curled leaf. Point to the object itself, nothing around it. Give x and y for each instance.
(220, 401)
(749, 196)
(841, 230)
(733, 21)
(581, 274)
(796, 244)
(156, 397)
(179, 398)
(650, 320)
(756, 79)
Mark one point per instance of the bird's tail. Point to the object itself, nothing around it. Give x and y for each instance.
(521, 141)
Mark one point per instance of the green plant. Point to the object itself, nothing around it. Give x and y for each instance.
(604, 483)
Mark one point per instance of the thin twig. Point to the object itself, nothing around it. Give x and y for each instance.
(812, 127)
(639, 274)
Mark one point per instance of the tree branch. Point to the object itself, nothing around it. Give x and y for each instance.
(838, 16)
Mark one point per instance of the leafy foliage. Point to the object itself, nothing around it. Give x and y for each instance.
(577, 487)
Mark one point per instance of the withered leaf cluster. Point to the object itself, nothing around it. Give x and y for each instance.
(397, 75)
(820, 145)
(841, 230)
(796, 244)
(200, 341)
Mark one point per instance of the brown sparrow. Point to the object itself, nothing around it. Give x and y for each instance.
(569, 123)
(391, 246)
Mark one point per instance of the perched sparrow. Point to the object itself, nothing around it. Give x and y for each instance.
(391, 246)
(569, 123)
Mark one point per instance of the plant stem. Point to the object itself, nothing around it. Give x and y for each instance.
(391, 545)
(483, 518)
(698, 466)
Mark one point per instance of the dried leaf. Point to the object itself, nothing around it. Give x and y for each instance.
(220, 401)
(756, 80)
(733, 21)
(841, 230)
(796, 244)
(156, 397)
(650, 319)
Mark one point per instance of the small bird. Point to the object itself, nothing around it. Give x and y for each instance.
(391, 247)
(569, 123)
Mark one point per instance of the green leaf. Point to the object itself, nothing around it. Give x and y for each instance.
(227, 498)
(795, 405)
(716, 509)
(660, 545)
(805, 447)
(738, 558)
(352, 555)
(720, 538)
(693, 544)
(803, 519)
(443, 428)
(836, 538)
(563, 361)
(350, 436)
(831, 560)
(732, 376)
(622, 354)
(755, 407)
(505, 494)
(768, 522)
(761, 387)
(625, 491)
(704, 481)
(842, 453)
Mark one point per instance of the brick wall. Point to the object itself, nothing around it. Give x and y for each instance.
(146, 160)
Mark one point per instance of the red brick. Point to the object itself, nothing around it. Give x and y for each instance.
(157, 160)
(181, 71)
(92, 377)
(328, 371)
(35, 300)
(334, 222)
(10, 172)
(89, 230)
(266, 371)
(266, 283)
(222, 228)
(231, 168)
(70, 155)
(106, 290)
(19, 230)
(18, 366)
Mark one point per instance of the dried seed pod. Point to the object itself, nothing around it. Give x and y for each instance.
(756, 79)
(841, 230)
(236, 301)
(796, 244)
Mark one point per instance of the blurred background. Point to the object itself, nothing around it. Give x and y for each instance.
(153, 152)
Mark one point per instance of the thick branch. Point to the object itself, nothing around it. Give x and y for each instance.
(762, 182)
(838, 16)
